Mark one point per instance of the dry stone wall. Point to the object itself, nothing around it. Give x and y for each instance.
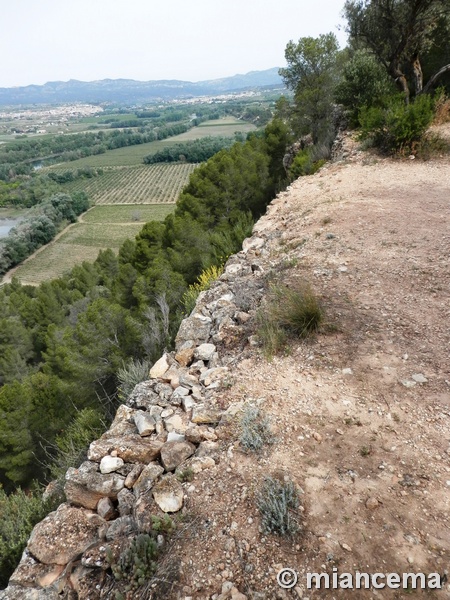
(170, 423)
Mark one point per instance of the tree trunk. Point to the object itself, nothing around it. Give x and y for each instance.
(400, 79)
(417, 74)
(435, 77)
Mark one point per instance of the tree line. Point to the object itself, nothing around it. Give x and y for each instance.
(385, 80)
(39, 227)
(17, 158)
(193, 151)
(62, 343)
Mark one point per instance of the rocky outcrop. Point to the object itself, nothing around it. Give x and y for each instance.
(169, 423)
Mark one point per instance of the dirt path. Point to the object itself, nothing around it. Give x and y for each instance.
(361, 415)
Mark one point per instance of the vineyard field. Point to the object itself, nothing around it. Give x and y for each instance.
(220, 127)
(80, 242)
(53, 261)
(146, 184)
(100, 228)
(119, 213)
(100, 235)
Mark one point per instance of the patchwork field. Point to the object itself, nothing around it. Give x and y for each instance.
(101, 227)
(125, 196)
(220, 127)
(146, 184)
(134, 155)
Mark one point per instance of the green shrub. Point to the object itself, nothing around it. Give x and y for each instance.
(287, 312)
(185, 475)
(19, 513)
(304, 163)
(255, 430)
(138, 561)
(399, 127)
(72, 445)
(277, 502)
(203, 283)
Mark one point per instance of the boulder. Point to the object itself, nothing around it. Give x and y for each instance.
(109, 464)
(144, 509)
(125, 502)
(195, 328)
(64, 535)
(30, 572)
(132, 448)
(105, 508)
(213, 375)
(147, 478)
(17, 592)
(143, 395)
(85, 584)
(85, 486)
(145, 423)
(203, 414)
(204, 351)
(160, 367)
(133, 475)
(174, 453)
(185, 356)
(121, 527)
(168, 494)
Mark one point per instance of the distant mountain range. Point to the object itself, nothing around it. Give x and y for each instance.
(131, 91)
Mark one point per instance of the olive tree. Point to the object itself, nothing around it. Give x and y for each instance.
(312, 72)
(399, 33)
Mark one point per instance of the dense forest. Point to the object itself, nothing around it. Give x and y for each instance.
(72, 347)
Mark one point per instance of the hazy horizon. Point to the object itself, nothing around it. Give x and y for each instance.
(91, 40)
(139, 80)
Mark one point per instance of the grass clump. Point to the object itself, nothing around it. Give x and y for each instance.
(186, 475)
(441, 108)
(132, 373)
(288, 312)
(255, 430)
(278, 502)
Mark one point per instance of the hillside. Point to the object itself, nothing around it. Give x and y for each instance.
(359, 414)
(130, 90)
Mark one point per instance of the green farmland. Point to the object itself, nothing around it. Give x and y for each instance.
(101, 227)
(119, 213)
(134, 155)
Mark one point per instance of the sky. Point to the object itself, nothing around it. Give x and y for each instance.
(191, 40)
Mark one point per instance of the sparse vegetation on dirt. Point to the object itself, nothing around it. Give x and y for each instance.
(278, 502)
(288, 311)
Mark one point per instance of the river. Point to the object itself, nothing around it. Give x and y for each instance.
(6, 225)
